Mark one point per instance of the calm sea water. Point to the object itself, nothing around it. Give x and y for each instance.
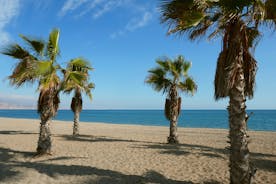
(260, 119)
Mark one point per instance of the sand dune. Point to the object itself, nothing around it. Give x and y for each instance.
(107, 153)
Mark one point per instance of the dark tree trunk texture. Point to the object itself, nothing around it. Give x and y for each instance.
(241, 171)
(76, 106)
(47, 107)
(173, 115)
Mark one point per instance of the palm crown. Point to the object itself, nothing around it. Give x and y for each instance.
(220, 17)
(195, 17)
(77, 77)
(171, 73)
(37, 63)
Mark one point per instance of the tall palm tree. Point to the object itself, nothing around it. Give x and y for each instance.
(76, 78)
(172, 77)
(238, 23)
(38, 63)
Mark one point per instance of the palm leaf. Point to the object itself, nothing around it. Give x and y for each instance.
(44, 67)
(16, 51)
(25, 71)
(36, 45)
(181, 15)
(79, 64)
(188, 86)
(52, 46)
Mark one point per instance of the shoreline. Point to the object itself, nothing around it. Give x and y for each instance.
(112, 153)
(136, 124)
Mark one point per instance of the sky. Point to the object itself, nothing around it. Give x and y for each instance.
(122, 39)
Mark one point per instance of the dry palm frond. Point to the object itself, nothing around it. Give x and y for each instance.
(76, 104)
(48, 103)
(179, 106)
(25, 71)
(168, 109)
(220, 77)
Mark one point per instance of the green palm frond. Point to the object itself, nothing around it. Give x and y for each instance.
(36, 45)
(25, 71)
(76, 77)
(157, 79)
(188, 86)
(49, 80)
(79, 64)
(170, 73)
(165, 63)
(88, 88)
(52, 45)
(181, 15)
(186, 67)
(44, 67)
(16, 51)
(200, 29)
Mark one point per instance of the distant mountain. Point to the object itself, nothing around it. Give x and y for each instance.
(12, 106)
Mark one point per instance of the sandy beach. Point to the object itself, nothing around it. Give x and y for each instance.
(109, 153)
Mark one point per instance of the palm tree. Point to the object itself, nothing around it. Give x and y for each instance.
(238, 22)
(38, 63)
(76, 78)
(172, 77)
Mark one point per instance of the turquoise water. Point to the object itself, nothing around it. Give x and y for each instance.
(260, 119)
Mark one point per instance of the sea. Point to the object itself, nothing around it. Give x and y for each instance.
(263, 120)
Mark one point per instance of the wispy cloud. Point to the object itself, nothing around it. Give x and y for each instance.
(139, 22)
(71, 5)
(41, 5)
(8, 10)
(133, 24)
(90, 5)
(139, 14)
(96, 7)
(109, 6)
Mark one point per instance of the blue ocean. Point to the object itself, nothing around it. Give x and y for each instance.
(264, 120)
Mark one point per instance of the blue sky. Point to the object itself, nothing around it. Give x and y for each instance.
(122, 39)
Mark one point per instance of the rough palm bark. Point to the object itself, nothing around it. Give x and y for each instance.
(47, 107)
(241, 171)
(173, 115)
(76, 106)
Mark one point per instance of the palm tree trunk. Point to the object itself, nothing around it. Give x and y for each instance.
(47, 107)
(76, 123)
(173, 138)
(240, 170)
(76, 107)
(44, 142)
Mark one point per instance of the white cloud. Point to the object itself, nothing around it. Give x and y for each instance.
(134, 24)
(8, 10)
(139, 22)
(89, 7)
(109, 6)
(97, 7)
(71, 5)
(139, 14)
(41, 5)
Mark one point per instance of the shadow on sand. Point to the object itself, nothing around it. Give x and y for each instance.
(12, 132)
(8, 162)
(182, 149)
(100, 176)
(91, 138)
